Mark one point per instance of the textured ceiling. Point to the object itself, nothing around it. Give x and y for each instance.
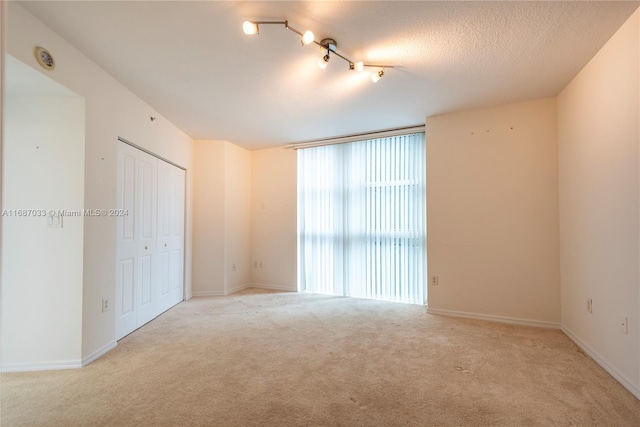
(193, 64)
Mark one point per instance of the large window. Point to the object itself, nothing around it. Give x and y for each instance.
(361, 219)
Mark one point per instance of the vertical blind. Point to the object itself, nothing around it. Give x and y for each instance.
(362, 219)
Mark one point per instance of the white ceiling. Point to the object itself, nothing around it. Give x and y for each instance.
(194, 65)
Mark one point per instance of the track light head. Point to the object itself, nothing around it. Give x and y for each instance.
(358, 66)
(250, 27)
(307, 38)
(377, 76)
(322, 63)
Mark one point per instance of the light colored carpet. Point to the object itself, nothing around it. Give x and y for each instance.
(278, 359)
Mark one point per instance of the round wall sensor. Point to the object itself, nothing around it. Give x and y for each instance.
(45, 59)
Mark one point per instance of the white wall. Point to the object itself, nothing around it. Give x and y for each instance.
(221, 218)
(111, 111)
(599, 149)
(42, 276)
(244, 214)
(274, 219)
(492, 213)
(208, 218)
(237, 185)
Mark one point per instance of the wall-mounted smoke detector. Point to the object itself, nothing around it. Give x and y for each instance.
(45, 59)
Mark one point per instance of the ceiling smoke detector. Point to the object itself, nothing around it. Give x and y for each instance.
(45, 59)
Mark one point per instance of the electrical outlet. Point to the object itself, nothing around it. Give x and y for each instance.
(105, 305)
(434, 280)
(624, 324)
(589, 305)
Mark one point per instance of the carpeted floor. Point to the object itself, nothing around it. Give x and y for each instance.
(280, 359)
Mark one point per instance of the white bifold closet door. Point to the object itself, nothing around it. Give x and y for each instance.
(150, 243)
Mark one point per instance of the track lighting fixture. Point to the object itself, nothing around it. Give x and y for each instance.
(328, 44)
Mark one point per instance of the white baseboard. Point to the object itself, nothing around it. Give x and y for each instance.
(99, 352)
(237, 289)
(619, 376)
(492, 318)
(208, 294)
(42, 366)
(273, 287)
(63, 364)
(242, 288)
(220, 293)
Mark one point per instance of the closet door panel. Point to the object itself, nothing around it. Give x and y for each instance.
(176, 242)
(164, 232)
(150, 252)
(147, 190)
(126, 253)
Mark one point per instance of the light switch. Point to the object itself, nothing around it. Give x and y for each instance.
(54, 220)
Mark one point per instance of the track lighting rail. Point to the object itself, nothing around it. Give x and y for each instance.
(329, 44)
